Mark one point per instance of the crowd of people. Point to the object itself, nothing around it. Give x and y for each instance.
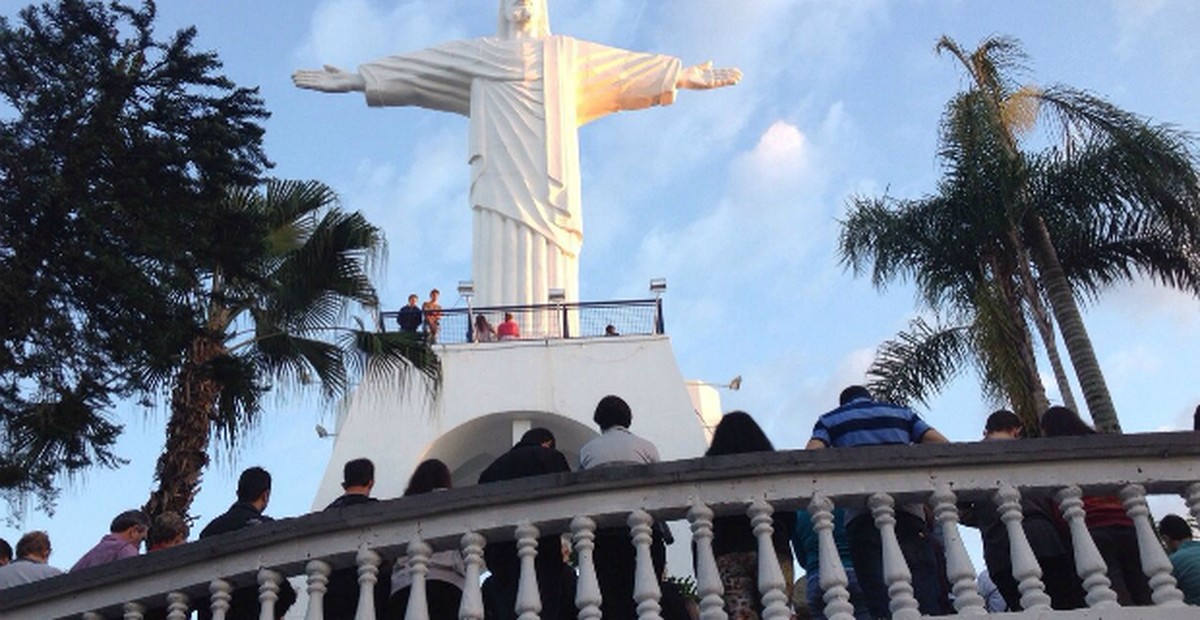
(859, 420)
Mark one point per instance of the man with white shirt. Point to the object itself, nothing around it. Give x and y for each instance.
(616, 445)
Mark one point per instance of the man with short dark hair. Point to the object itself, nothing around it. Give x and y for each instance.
(253, 495)
(124, 540)
(614, 555)
(33, 551)
(410, 316)
(358, 478)
(432, 312)
(1185, 556)
(167, 530)
(860, 420)
(534, 455)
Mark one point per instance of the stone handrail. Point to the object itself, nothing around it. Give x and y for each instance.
(755, 484)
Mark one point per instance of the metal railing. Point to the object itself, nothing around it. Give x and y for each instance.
(758, 485)
(586, 319)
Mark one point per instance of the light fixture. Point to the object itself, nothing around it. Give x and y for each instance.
(658, 285)
(735, 384)
(323, 433)
(466, 288)
(558, 295)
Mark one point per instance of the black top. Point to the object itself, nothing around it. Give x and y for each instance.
(239, 515)
(350, 499)
(525, 460)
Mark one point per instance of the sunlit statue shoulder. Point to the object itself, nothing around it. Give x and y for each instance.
(526, 93)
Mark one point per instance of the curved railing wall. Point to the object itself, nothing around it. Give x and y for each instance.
(755, 484)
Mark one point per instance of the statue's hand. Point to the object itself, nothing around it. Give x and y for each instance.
(328, 80)
(704, 76)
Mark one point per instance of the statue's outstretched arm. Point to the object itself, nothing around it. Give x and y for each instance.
(329, 80)
(701, 77)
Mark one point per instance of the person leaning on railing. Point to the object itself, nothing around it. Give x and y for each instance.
(33, 553)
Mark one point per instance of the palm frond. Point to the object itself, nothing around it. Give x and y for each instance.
(918, 363)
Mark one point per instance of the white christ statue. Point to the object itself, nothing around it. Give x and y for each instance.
(526, 93)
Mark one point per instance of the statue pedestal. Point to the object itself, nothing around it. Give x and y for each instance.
(493, 392)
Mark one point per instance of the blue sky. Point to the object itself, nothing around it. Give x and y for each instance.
(732, 195)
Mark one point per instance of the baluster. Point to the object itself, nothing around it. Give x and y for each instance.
(958, 564)
(833, 578)
(1155, 562)
(529, 601)
(770, 576)
(220, 592)
(418, 567)
(895, 570)
(472, 598)
(1089, 564)
(177, 606)
(133, 611)
(318, 583)
(368, 575)
(708, 580)
(1026, 569)
(268, 593)
(587, 593)
(645, 582)
(1192, 497)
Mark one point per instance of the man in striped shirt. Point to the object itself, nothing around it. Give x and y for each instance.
(860, 420)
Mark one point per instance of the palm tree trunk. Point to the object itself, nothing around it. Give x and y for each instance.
(185, 453)
(1070, 321)
(1028, 398)
(1045, 329)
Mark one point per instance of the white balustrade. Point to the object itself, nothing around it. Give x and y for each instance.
(318, 582)
(529, 601)
(418, 568)
(1089, 564)
(646, 592)
(959, 569)
(220, 595)
(587, 591)
(896, 574)
(708, 579)
(1155, 562)
(91, 615)
(1026, 569)
(471, 607)
(832, 578)
(268, 593)
(133, 611)
(771, 586)
(368, 575)
(177, 606)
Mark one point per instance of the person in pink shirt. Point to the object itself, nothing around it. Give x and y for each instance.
(124, 540)
(509, 329)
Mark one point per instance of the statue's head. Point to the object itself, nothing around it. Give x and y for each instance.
(528, 17)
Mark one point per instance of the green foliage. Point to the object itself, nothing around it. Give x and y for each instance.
(114, 148)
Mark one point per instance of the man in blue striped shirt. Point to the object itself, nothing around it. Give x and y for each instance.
(862, 421)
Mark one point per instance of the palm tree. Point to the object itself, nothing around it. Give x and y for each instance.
(1121, 201)
(276, 312)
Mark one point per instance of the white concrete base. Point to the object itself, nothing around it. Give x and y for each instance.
(493, 392)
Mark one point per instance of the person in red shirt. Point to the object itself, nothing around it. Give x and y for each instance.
(509, 329)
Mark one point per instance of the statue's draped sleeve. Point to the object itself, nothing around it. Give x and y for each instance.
(437, 78)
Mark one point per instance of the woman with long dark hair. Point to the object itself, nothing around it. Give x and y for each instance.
(734, 545)
(1106, 519)
(445, 580)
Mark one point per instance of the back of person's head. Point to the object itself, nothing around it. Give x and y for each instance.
(1196, 419)
(508, 316)
(430, 475)
(1059, 421)
(358, 473)
(252, 484)
(852, 393)
(537, 437)
(612, 411)
(6, 552)
(167, 530)
(737, 433)
(1175, 527)
(1002, 420)
(128, 519)
(35, 543)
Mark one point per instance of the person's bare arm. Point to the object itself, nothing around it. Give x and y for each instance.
(815, 444)
(933, 436)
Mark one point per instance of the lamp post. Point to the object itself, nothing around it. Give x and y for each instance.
(466, 289)
(658, 286)
(557, 297)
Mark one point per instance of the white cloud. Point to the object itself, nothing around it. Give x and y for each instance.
(347, 32)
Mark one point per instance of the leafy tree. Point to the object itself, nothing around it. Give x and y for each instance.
(114, 145)
(1120, 200)
(277, 314)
